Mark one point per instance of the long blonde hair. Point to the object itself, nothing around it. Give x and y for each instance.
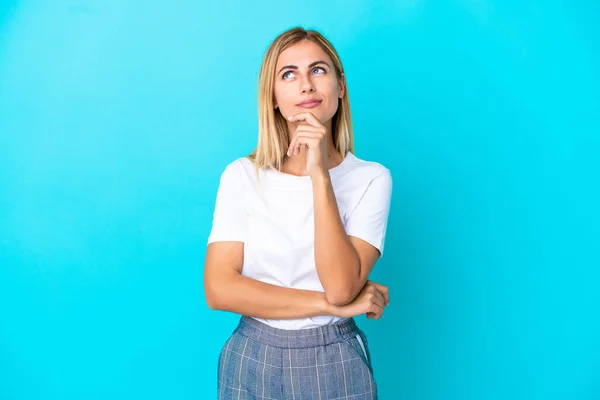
(273, 139)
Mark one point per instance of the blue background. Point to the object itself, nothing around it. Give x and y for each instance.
(117, 118)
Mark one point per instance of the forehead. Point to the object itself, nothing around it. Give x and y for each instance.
(302, 54)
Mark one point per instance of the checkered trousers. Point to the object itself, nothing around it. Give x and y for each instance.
(325, 363)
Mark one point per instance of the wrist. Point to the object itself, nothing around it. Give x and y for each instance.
(325, 308)
(320, 177)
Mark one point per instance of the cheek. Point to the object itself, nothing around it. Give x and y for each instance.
(283, 98)
(331, 93)
(332, 101)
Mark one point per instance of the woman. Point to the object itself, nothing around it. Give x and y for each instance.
(298, 226)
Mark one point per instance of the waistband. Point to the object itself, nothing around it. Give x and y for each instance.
(297, 338)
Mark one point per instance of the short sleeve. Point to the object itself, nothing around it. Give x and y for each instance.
(229, 217)
(368, 220)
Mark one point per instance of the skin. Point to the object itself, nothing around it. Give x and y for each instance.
(298, 78)
(343, 262)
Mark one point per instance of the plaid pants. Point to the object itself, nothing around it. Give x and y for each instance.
(325, 363)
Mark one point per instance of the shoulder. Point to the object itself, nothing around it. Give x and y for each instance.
(368, 170)
(238, 169)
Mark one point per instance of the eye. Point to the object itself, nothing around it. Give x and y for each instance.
(287, 72)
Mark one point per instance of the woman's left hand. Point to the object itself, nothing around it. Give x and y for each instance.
(313, 134)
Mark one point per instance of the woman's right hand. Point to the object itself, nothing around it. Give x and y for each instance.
(371, 301)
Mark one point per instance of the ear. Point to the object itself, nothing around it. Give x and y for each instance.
(342, 86)
(275, 106)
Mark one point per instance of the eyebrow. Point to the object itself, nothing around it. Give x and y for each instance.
(296, 67)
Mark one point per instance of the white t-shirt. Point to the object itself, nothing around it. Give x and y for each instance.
(277, 227)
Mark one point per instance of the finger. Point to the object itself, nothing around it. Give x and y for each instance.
(295, 145)
(309, 142)
(383, 290)
(376, 312)
(310, 128)
(380, 298)
(306, 116)
(298, 145)
(378, 315)
(301, 139)
(376, 297)
(300, 132)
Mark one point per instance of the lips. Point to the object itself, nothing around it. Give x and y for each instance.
(309, 103)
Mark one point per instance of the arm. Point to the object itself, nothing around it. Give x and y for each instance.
(227, 290)
(339, 265)
(344, 261)
(224, 286)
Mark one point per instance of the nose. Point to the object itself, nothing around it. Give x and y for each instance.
(307, 86)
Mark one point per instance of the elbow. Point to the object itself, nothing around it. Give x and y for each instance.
(218, 289)
(339, 297)
(342, 292)
(211, 301)
(212, 297)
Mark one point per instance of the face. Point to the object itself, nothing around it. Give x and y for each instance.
(305, 72)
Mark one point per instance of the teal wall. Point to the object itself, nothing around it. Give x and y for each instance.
(117, 118)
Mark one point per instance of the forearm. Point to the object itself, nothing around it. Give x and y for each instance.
(337, 262)
(246, 296)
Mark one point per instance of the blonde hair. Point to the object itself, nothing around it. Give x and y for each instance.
(273, 139)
